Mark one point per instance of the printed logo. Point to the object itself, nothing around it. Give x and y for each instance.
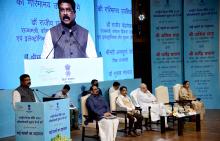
(67, 68)
(57, 106)
(29, 109)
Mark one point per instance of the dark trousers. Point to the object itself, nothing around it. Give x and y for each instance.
(74, 114)
(135, 125)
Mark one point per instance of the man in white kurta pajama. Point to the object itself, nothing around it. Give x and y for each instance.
(145, 99)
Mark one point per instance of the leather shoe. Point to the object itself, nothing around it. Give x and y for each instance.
(136, 133)
(131, 134)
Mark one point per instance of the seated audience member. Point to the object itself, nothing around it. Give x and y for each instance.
(23, 93)
(185, 93)
(96, 83)
(98, 109)
(124, 102)
(115, 87)
(146, 99)
(64, 93)
(84, 92)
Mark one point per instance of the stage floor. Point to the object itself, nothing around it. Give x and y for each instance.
(210, 131)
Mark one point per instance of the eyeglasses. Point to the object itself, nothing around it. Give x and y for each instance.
(68, 11)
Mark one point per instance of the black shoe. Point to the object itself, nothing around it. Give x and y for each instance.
(76, 128)
(136, 133)
(131, 134)
(169, 129)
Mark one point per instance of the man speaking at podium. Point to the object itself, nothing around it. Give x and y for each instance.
(68, 39)
(23, 93)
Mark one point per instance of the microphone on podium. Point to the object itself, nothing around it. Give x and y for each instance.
(100, 54)
(36, 95)
(54, 46)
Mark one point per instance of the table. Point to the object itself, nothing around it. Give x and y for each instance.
(180, 123)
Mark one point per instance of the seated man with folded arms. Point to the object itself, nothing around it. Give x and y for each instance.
(99, 109)
(145, 99)
(64, 93)
(124, 102)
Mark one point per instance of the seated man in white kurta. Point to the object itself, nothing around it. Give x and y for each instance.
(145, 99)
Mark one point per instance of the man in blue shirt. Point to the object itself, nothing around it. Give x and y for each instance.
(98, 109)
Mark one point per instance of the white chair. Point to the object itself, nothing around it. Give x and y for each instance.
(176, 89)
(162, 96)
(93, 124)
(133, 96)
(122, 115)
(134, 100)
(112, 99)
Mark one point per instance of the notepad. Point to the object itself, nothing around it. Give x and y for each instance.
(110, 117)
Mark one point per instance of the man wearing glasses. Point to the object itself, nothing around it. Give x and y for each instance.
(68, 39)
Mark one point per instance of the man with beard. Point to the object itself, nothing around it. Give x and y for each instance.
(95, 82)
(98, 109)
(68, 39)
(23, 93)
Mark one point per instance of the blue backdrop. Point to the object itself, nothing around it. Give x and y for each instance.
(166, 43)
(185, 46)
(201, 49)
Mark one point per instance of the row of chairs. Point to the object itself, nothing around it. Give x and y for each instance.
(161, 93)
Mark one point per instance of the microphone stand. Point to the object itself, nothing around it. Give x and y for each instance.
(54, 46)
(77, 42)
(36, 95)
(42, 93)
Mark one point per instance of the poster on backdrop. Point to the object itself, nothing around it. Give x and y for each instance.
(166, 43)
(201, 48)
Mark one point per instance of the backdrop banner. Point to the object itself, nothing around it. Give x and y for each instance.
(201, 62)
(166, 43)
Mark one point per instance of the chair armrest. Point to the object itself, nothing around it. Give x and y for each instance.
(199, 99)
(170, 103)
(139, 109)
(119, 112)
(87, 120)
(184, 101)
(86, 116)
